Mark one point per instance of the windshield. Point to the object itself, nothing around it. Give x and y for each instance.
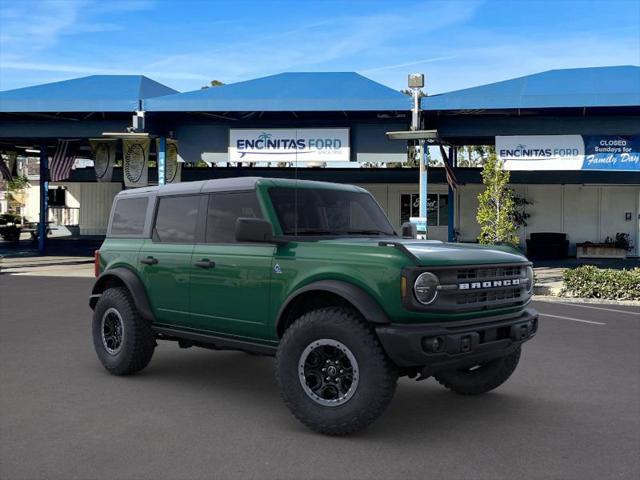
(317, 211)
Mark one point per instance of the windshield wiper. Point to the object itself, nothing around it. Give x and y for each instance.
(367, 232)
(312, 231)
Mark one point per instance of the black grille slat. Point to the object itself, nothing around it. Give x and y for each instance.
(486, 273)
(488, 296)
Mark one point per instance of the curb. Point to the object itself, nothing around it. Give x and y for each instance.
(597, 301)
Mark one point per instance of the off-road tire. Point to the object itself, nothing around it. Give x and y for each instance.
(138, 341)
(483, 379)
(377, 375)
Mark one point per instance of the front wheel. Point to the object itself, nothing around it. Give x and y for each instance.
(332, 372)
(480, 378)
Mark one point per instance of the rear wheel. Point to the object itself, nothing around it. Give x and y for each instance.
(123, 340)
(480, 378)
(332, 372)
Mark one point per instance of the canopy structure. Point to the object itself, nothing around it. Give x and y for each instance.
(617, 86)
(95, 93)
(288, 92)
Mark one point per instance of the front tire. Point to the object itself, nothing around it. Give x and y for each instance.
(481, 378)
(123, 340)
(332, 372)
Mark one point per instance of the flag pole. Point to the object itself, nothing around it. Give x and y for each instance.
(44, 199)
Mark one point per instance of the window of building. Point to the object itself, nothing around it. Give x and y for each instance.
(57, 197)
(128, 216)
(223, 211)
(437, 211)
(176, 219)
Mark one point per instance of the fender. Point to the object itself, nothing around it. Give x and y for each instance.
(361, 300)
(133, 284)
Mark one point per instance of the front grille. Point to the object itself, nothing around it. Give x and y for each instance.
(484, 273)
(487, 297)
(474, 288)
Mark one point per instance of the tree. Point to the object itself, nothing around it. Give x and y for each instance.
(496, 209)
(474, 155)
(213, 83)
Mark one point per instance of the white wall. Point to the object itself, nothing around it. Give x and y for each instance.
(95, 205)
(583, 212)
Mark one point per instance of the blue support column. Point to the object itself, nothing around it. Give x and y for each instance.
(44, 199)
(162, 160)
(450, 198)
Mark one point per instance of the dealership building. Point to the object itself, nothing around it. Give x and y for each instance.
(571, 139)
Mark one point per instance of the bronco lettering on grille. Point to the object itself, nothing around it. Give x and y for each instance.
(489, 284)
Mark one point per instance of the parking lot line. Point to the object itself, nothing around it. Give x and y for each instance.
(595, 308)
(570, 318)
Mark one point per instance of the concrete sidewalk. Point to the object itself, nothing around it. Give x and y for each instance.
(48, 266)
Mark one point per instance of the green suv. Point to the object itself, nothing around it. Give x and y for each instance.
(314, 274)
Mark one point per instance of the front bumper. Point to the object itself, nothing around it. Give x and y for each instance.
(454, 345)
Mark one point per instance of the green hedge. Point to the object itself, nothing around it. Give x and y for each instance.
(588, 281)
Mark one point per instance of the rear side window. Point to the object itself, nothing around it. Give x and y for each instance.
(176, 219)
(128, 216)
(224, 209)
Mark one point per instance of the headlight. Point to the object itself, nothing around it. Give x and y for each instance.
(425, 288)
(530, 279)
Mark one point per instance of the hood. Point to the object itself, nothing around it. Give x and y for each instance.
(437, 253)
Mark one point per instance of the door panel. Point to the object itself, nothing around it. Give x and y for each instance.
(232, 297)
(167, 281)
(166, 257)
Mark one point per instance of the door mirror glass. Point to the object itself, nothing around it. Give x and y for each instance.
(255, 230)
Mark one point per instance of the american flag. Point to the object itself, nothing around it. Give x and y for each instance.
(62, 161)
(4, 170)
(451, 175)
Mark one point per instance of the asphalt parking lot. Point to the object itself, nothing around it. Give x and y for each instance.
(571, 410)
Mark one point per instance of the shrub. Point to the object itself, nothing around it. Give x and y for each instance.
(588, 281)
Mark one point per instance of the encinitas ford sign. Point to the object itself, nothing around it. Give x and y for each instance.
(569, 152)
(289, 145)
(541, 152)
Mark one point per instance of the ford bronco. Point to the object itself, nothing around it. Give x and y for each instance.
(314, 274)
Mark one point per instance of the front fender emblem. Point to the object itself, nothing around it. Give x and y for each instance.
(277, 269)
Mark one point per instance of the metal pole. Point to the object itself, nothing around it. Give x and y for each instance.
(44, 199)
(423, 179)
(422, 158)
(450, 199)
(162, 163)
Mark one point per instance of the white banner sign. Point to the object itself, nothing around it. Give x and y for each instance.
(136, 162)
(289, 145)
(541, 152)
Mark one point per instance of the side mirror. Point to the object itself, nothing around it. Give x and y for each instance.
(409, 230)
(254, 230)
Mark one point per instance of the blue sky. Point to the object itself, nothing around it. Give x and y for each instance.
(184, 44)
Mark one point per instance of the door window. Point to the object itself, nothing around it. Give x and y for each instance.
(223, 211)
(176, 219)
(128, 216)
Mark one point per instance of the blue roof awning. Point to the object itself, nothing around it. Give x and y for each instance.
(577, 87)
(96, 93)
(289, 92)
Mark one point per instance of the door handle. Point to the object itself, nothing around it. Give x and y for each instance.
(149, 261)
(205, 263)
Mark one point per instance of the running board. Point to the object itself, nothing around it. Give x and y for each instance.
(216, 342)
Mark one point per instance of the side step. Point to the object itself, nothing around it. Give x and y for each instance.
(215, 342)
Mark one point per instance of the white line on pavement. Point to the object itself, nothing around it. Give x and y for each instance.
(595, 308)
(570, 318)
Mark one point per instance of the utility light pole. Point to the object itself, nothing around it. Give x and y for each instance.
(416, 83)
